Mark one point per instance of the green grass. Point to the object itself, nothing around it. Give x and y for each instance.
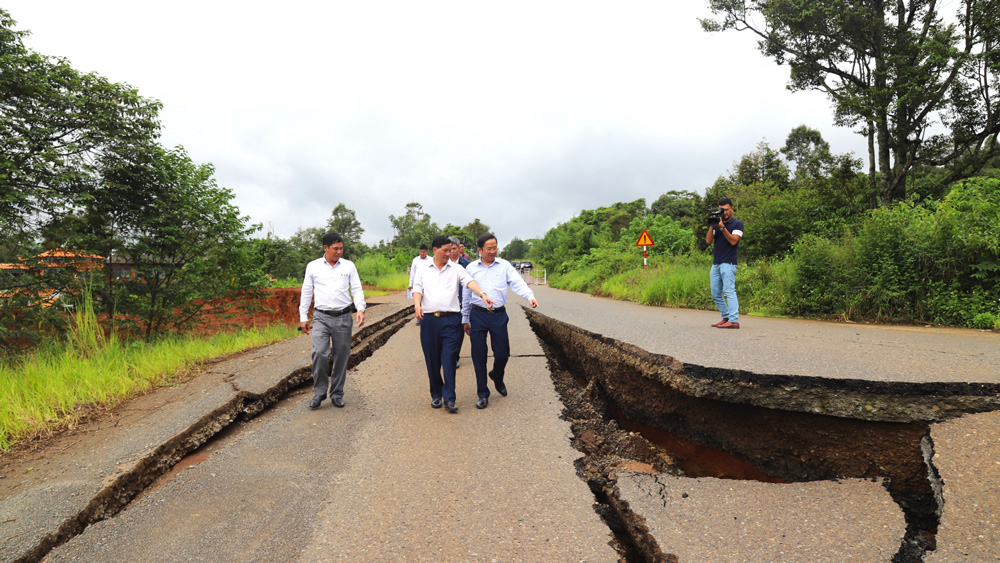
(391, 282)
(287, 282)
(683, 281)
(670, 284)
(50, 388)
(375, 270)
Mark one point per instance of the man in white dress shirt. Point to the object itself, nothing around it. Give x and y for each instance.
(494, 275)
(420, 260)
(334, 283)
(435, 302)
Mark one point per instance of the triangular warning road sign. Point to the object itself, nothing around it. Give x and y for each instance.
(644, 239)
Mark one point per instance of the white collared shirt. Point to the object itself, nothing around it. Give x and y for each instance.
(333, 287)
(439, 288)
(416, 263)
(494, 280)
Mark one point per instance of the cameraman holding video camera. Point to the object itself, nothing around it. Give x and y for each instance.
(725, 232)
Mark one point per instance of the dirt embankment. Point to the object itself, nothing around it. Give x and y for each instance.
(279, 305)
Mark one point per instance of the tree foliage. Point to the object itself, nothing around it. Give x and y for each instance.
(921, 88)
(57, 125)
(762, 166)
(174, 242)
(81, 168)
(563, 244)
(474, 230)
(683, 206)
(344, 222)
(413, 228)
(516, 249)
(806, 147)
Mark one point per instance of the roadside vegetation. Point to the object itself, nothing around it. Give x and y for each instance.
(933, 260)
(60, 383)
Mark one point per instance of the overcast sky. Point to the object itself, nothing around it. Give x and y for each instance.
(518, 113)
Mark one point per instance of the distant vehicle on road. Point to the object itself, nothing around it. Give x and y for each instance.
(525, 266)
(516, 265)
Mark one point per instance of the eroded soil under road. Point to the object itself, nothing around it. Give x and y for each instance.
(636, 411)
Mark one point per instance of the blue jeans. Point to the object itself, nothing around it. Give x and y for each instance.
(723, 277)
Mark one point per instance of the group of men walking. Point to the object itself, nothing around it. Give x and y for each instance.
(452, 297)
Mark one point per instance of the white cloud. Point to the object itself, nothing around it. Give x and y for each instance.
(520, 113)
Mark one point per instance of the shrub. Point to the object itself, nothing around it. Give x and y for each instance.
(819, 277)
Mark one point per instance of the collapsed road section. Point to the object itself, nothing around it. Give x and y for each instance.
(41, 509)
(637, 412)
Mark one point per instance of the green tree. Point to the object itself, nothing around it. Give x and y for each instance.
(475, 229)
(309, 241)
(56, 125)
(280, 257)
(920, 88)
(810, 153)
(680, 205)
(413, 228)
(184, 243)
(516, 249)
(764, 166)
(669, 236)
(564, 244)
(344, 222)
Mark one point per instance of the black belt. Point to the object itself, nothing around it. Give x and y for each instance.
(443, 313)
(343, 311)
(490, 311)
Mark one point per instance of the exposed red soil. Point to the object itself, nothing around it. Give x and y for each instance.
(280, 305)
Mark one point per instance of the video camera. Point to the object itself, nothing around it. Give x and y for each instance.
(714, 216)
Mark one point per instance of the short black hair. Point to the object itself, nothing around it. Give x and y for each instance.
(726, 201)
(440, 241)
(330, 238)
(484, 238)
(423, 247)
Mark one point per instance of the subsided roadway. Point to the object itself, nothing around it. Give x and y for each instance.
(389, 478)
(850, 424)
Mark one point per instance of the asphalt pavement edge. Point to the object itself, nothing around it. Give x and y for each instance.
(122, 482)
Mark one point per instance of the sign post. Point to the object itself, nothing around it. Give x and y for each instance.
(644, 241)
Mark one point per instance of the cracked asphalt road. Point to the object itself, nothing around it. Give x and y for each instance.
(389, 478)
(787, 346)
(386, 478)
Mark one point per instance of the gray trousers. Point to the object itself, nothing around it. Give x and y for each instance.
(330, 334)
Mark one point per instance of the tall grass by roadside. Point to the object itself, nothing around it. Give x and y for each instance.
(375, 271)
(383, 273)
(669, 281)
(683, 281)
(51, 387)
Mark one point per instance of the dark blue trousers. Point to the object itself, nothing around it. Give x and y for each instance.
(440, 337)
(495, 324)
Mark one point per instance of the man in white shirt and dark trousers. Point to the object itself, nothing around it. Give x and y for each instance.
(334, 283)
(494, 275)
(420, 260)
(435, 302)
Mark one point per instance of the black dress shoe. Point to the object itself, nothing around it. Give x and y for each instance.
(501, 388)
(451, 407)
(482, 403)
(337, 402)
(436, 403)
(315, 402)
